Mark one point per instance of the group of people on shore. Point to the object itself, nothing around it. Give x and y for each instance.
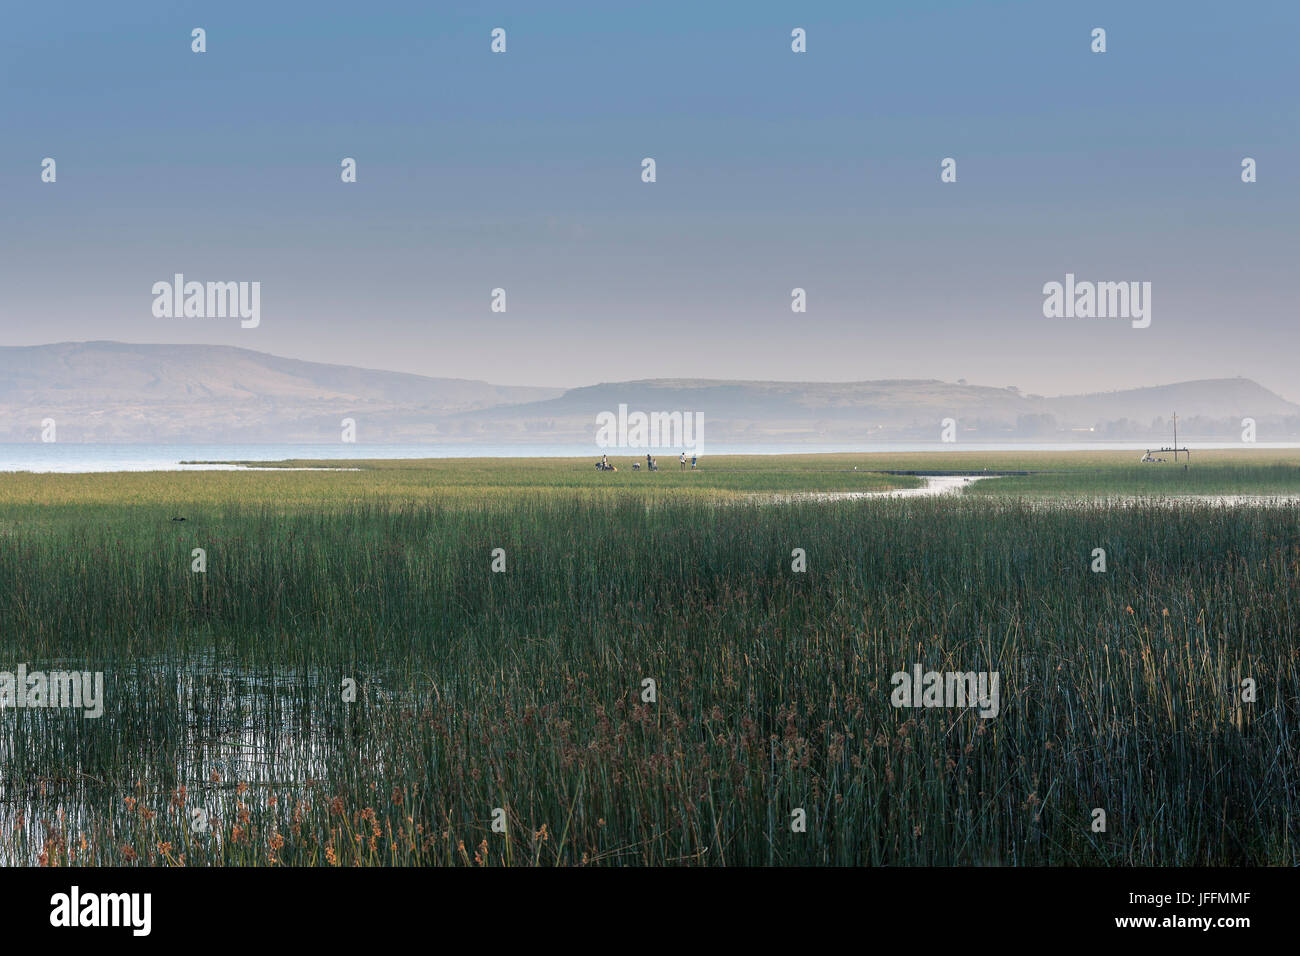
(651, 463)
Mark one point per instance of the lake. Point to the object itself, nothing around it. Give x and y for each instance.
(68, 457)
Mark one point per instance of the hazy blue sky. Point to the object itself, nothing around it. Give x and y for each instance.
(775, 170)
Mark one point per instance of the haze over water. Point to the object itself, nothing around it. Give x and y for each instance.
(68, 457)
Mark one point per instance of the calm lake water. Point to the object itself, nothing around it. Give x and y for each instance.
(68, 457)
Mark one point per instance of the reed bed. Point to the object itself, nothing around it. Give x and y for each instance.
(226, 739)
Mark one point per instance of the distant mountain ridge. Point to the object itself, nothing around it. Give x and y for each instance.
(112, 391)
(912, 409)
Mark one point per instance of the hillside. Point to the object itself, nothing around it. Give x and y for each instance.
(109, 391)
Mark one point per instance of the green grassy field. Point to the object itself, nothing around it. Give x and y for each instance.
(1055, 474)
(523, 690)
(44, 498)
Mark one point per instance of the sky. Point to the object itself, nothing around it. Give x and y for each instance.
(775, 170)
